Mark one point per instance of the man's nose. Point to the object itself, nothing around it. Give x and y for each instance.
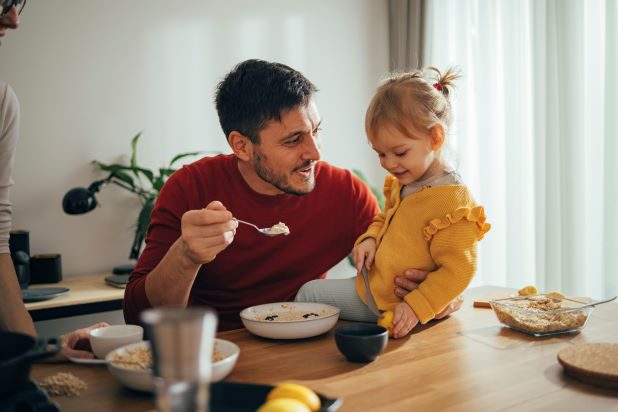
(312, 149)
(11, 19)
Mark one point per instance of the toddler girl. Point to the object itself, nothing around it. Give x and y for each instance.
(431, 220)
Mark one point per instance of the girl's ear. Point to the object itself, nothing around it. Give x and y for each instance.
(437, 137)
(240, 144)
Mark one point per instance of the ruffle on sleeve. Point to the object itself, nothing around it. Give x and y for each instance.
(475, 214)
(390, 183)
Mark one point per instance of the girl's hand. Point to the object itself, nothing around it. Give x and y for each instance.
(404, 320)
(364, 252)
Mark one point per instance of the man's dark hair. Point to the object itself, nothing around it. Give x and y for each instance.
(257, 91)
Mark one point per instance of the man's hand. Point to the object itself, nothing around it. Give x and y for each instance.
(206, 232)
(411, 279)
(408, 281)
(454, 306)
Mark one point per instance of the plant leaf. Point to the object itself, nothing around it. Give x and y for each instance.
(376, 193)
(134, 149)
(124, 177)
(157, 184)
(148, 173)
(183, 155)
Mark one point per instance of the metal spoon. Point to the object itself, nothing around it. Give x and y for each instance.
(371, 302)
(268, 231)
(598, 302)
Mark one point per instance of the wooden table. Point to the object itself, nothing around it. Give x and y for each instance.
(87, 294)
(467, 362)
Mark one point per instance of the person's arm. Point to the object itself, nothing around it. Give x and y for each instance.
(410, 279)
(454, 252)
(205, 233)
(13, 314)
(76, 344)
(378, 219)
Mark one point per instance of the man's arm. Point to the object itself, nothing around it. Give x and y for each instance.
(13, 313)
(204, 234)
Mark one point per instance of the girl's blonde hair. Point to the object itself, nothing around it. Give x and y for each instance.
(409, 99)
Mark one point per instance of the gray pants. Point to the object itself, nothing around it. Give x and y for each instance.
(340, 293)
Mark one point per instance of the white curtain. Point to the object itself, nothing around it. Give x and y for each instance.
(536, 134)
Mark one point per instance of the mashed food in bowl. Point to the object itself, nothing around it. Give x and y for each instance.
(541, 314)
(140, 358)
(286, 313)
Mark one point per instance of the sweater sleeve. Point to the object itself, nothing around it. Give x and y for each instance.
(377, 224)
(454, 249)
(9, 133)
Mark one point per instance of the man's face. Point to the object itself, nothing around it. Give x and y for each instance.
(288, 150)
(9, 21)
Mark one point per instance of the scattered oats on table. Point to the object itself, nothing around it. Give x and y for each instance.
(63, 384)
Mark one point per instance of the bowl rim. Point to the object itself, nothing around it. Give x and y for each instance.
(341, 330)
(502, 302)
(146, 343)
(245, 311)
(131, 330)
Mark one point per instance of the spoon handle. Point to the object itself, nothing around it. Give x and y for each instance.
(599, 302)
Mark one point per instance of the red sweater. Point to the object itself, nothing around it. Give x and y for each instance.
(255, 269)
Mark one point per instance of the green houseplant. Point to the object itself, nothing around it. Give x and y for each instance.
(376, 192)
(143, 182)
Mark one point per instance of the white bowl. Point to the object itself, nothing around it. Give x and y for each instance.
(254, 319)
(106, 339)
(138, 379)
(142, 379)
(229, 351)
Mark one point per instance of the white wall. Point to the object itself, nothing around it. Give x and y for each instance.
(90, 74)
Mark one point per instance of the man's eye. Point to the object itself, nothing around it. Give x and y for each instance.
(294, 141)
(401, 154)
(380, 154)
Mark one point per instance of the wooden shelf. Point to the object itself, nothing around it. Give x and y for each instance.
(87, 294)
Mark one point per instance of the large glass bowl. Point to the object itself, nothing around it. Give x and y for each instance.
(542, 315)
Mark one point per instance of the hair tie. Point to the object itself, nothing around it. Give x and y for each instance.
(438, 87)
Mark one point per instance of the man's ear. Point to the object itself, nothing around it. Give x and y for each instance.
(437, 137)
(241, 145)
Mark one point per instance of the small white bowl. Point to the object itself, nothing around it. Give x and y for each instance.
(106, 339)
(142, 379)
(229, 351)
(138, 379)
(254, 319)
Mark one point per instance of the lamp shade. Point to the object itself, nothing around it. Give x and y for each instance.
(78, 200)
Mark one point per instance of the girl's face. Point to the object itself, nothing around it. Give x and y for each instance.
(408, 157)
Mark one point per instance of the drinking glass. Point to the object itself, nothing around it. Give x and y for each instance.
(182, 341)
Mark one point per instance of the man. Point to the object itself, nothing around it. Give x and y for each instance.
(13, 314)
(196, 254)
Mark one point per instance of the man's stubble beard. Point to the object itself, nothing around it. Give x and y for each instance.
(280, 181)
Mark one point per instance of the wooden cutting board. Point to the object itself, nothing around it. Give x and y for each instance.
(483, 302)
(595, 363)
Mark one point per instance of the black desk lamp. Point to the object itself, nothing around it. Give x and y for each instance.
(80, 200)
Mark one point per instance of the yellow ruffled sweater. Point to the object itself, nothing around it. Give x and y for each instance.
(435, 229)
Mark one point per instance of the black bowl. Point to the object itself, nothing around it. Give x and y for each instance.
(361, 342)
